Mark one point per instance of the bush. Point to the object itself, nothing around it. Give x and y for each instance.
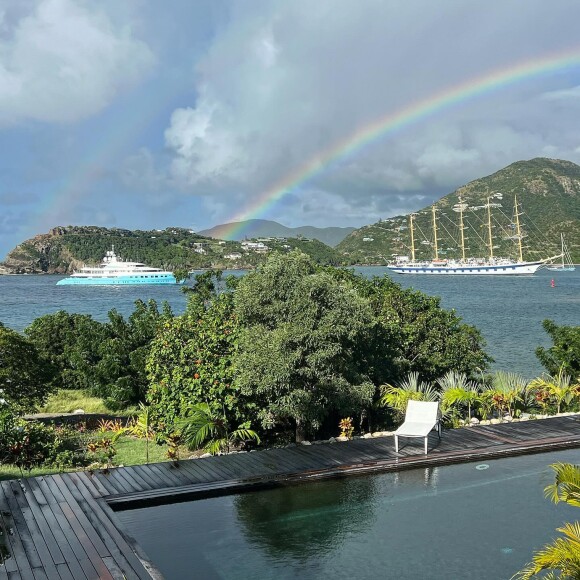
(30, 444)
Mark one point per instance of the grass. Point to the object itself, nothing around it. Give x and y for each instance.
(68, 400)
(130, 451)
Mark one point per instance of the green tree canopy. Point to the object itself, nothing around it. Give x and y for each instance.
(71, 343)
(415, 334)
(564, 354)
(300, 330)
(25, 377)
(191, 360)
(121, 371)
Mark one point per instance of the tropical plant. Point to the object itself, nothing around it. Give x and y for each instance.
(208, 430)
(507, 390)
(397, 396)
(346, 427)
(558, 388)
(562, 557)
(102, 451)
(458, 390)
(140, 427)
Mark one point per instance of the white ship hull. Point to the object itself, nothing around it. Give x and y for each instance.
(515, 268)
(115, 272)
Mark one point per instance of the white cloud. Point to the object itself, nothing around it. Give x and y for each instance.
(62, 60)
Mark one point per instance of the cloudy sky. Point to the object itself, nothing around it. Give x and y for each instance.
(142, 114)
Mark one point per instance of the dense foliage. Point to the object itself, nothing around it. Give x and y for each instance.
(298, 344)
(564, 354)
(191, 360)
(70, 342)
(120, 372)
(106, 358)
(25, 376)
(294, 344)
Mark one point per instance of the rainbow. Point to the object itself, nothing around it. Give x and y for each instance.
(394, 121)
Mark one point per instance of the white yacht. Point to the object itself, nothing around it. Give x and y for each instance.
(114, 271)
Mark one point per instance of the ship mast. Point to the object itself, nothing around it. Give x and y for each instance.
(435, 233)
(489, 228)
(412, 237)
(518, 229)
(461, 228)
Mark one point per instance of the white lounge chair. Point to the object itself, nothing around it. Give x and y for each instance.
(421, 418)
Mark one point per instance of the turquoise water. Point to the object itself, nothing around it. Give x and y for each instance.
(508, 310)
(470, 521)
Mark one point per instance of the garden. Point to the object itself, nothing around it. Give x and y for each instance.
(291, 352)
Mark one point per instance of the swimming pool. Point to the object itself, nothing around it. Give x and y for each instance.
(456, 522)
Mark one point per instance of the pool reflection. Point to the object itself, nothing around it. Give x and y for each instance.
(300, 521)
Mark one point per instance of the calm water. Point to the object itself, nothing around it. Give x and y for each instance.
(458, 521)
(507, 310)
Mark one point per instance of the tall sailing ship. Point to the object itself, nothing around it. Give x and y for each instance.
(490, 265)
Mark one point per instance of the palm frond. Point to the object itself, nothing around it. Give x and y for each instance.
(566, 486)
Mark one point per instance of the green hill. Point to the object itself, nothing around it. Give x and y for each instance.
(548, 194)
(65, 249)
(266, 228)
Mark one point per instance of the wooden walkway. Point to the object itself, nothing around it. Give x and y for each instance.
(64, 526)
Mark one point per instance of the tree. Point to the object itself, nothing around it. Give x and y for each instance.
(120, 374)
(25, 377)
(564, 354)
(301, 330)
(191, 361)
(415, 334)
(562, 556)
(71, 343)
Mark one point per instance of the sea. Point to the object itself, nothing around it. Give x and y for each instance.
(508, 310)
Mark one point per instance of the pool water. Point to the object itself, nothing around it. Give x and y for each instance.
(469, 521)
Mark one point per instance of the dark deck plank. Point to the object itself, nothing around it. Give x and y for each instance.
(35, 533)
(63, 527)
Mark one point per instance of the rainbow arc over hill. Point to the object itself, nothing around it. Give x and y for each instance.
(393, 121)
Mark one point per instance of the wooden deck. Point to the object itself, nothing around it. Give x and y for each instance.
(64, 526)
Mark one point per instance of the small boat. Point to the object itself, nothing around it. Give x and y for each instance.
(114, 271)
(567, 265)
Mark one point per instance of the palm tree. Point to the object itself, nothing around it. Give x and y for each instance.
(562, 556)
(558, 387)
(457, 389)
(397, 396)
(203, 428)
(507, 389)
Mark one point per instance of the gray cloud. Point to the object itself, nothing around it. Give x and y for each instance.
(285, 81)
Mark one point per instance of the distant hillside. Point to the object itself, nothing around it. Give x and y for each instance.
(265, 229)
(65, 249)
(548, 193)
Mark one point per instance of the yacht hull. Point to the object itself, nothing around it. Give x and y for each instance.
(115, 281)
(522, 269)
